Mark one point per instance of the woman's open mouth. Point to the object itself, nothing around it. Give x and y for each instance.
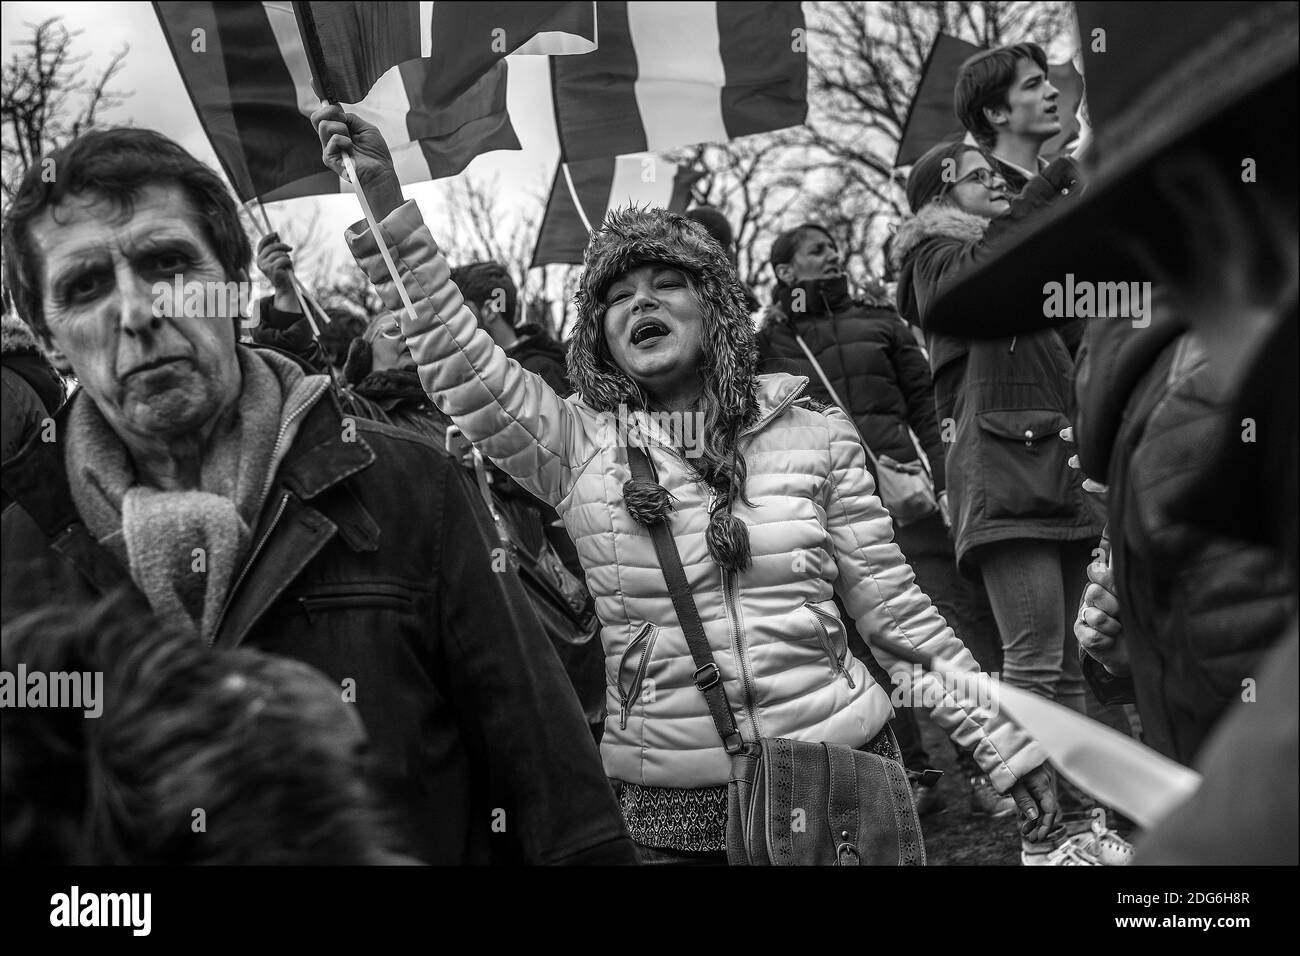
(648, 331)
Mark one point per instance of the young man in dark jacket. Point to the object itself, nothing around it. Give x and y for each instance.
(225, 488)
(491, 295)
(1005, 100)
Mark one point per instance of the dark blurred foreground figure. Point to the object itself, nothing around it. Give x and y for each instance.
(230, 491)
(1193, 191)
(33, 390)
(197, 756)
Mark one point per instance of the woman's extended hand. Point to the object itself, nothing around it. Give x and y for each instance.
(341, 132)
(1035, 796)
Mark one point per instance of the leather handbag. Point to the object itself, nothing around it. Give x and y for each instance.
(793, 802)
(906, 489)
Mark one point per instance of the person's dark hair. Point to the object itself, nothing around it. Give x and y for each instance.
(714, 223)
(117, 164)
(983, 82)
(263, 745)
(479, 281)
(336, 337)
(787, 244)
(926, 181)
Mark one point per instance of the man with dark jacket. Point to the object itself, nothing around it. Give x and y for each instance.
(491, 295)
(224, 487)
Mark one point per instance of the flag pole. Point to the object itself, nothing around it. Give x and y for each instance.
(573, 194)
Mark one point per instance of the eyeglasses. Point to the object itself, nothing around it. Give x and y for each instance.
(986, 177)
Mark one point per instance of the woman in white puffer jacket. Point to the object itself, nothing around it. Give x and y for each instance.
(766, 493)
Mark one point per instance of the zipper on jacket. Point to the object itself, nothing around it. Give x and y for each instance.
(252, 559)
(731, 598)
(645, 639)
(824, 638)
(307, 402)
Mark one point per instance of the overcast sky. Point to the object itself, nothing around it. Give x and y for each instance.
(160, 102)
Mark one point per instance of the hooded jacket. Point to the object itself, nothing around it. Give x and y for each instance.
(814, 523)
(871, 359)
(1004, 400)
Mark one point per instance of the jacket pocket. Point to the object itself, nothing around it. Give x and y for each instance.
(829, 631)
(317, 604)
(1023, 464)
(632, 669)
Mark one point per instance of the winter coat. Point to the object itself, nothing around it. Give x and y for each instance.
(1005, 400)
(538, 352)
(372, 563)
(871, 359)
(814, 524)
(1199, 606)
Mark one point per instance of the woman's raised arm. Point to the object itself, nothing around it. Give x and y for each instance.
(509, 413)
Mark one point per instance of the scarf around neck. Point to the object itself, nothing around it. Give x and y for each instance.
(184, 548)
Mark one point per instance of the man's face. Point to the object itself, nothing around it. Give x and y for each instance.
(978, 189)
(152, 376)
(1031, 109)
(815, 257)
(654, 327)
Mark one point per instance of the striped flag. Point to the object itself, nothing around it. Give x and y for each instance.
(360, 42)
(672, 74)
(931, 120)
(246, 69)
(601, 185)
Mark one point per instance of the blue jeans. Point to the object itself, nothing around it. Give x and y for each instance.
(1034, 588)
(962, 603)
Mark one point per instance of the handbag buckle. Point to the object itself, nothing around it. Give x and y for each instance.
(713, 680)
(845, 850)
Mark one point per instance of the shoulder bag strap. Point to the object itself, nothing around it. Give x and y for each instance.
(708, 679)
(817, 366)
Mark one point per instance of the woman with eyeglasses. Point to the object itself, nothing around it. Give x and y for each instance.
(1020, 517)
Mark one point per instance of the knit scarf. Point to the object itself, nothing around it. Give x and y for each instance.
(184, 548)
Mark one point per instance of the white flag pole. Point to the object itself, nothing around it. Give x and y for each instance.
(351, 168)
(573, 194)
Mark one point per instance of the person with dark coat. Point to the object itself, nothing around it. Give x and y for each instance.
(1019, 513)
(33, 390)
(1204, 605)
(876, 368)
(226, 489)
(491, 295)
(1171, 204)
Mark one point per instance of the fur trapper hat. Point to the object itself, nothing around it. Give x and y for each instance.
(632, 237)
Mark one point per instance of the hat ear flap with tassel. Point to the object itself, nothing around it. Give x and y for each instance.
(360, 360)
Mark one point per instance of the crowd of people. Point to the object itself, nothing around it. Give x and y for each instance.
(402, 574)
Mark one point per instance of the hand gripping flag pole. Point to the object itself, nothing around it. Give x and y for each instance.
(315, 58)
